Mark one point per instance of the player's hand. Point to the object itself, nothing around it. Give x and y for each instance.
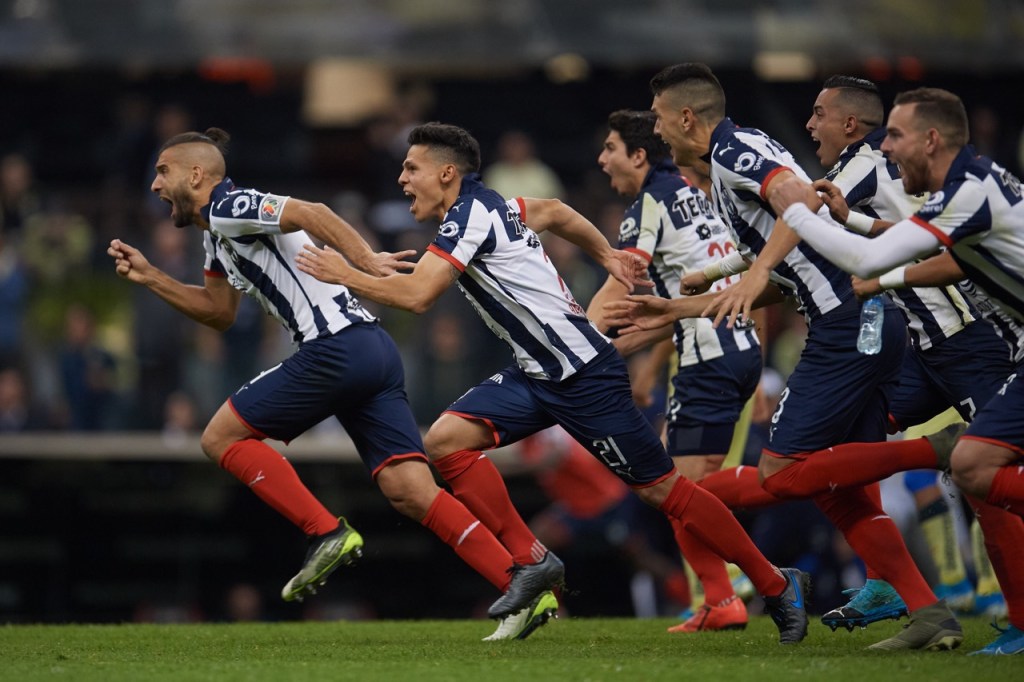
(834, 198)
(866, 288)
(129, 262)
(387, 263)
(791, 191)
(326, 264)
(736, 302)
(637, 313)
(694, 283)
(628, 268)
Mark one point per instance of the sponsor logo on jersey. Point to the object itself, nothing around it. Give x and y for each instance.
(628, 229)
(748, 161)
(240, 205)
(448, 229)
(935, 203)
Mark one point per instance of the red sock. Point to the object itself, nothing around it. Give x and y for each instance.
(874, 491)
(475, 481)
(875, 538)
(704, 515)
(738, 488)
(470, 539)
(1007, 489)
(849, 465)
(272, 478)
(1004, 543)
(708, 566)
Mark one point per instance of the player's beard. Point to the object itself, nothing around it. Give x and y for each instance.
(182, 208)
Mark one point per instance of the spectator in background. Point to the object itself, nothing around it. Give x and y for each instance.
(18, 199)
(18, 412)
(87, 373)
(518, 172)
(14, 290)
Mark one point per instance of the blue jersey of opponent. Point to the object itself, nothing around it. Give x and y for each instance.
(512, 284)
(246, 245)
(743, 160)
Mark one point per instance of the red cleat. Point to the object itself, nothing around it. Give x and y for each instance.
(732, 615)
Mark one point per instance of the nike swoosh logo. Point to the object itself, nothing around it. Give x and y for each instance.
(799, 602)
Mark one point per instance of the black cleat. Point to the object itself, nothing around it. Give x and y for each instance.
(789, 609)
(528, 582)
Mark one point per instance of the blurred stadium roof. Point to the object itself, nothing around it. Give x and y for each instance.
(473, 35)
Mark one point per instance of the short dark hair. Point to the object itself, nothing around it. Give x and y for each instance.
(215, 136)
(636, 128)
(939, 109)
(698, 86)
(861, 96)
(455, 144)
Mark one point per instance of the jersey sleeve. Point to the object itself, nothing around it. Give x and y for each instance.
(212, 267)
(248, 211)
(749, 161)
(641, 226)
(466, 232)
(857, 179)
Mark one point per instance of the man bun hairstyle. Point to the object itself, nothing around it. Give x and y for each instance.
(636, 128)
(939, 109)
(451, 143)
(213, 136)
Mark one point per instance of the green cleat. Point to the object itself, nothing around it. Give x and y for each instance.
(521, 624)
(933, 628)
(326, 552)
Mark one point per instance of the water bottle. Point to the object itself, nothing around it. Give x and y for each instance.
(872, 314)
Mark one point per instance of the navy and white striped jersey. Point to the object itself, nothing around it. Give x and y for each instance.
(513, 286)
(672, 225)
(871, 183)
(979, 215)
(246, 245)
(743, 160)
(1008, 329)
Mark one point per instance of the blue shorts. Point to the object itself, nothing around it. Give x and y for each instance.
(706, 402)
(837, 394)
(595, 406)
(1001, 421)
(356, 376)
(963, 371)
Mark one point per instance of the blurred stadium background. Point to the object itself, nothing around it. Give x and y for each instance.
(108, 510)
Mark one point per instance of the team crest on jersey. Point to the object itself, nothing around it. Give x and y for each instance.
(448, 229)
(748, 161)
(1010, 182)
(628, 229)
(269, 208)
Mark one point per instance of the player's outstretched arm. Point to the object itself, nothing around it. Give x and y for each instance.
(559, 218)
(329, 228)
(415, 292)
(213, 304)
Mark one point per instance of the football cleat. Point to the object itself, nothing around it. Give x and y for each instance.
(789, 609)
(326, 552)
(959, 596)
(522, 624)
(528, 582)
(933, 628)
(876, 601)
(730, 615)
(1009, 642)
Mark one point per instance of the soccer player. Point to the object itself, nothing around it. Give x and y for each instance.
(836, 394)
(976, 211)
(565, 371)
(672, 226)
(346, 366)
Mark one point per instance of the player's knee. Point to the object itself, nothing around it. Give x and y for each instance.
(409, 487)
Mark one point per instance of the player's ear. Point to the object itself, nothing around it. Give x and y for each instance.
(448, 172)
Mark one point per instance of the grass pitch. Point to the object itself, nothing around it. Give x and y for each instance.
(565, 649)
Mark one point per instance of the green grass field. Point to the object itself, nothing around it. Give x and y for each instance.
(566, 649)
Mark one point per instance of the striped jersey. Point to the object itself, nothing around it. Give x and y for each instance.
(743, 161)
(979, 215)
(513, 286)
(871, 183)
(1009, 330)
(672, 225)
(246, 245)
